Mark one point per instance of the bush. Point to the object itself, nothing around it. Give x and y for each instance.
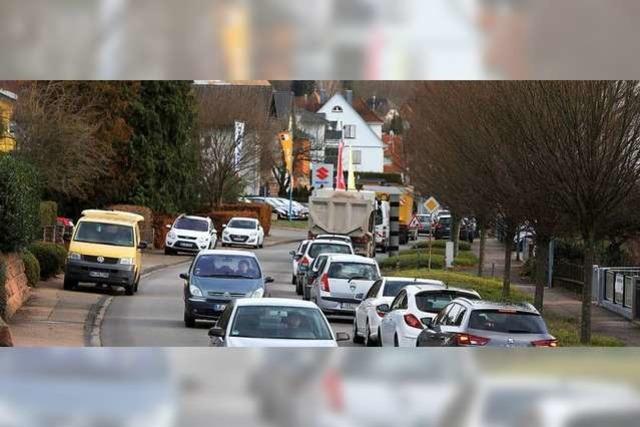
(262, 212)
(31, 268)
(48, 213)
(146, 226)
(222, 217)
(421, 260)
(50, 256)
(19, 204)
(463, 246)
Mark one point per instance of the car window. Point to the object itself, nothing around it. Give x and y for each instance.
(334, 248)
(353, 270)
(192, 224)
(459, 317)
(274, 322)
(452, 315)
(373, 291)
(302, 247)
(228, 266)
(513, 322)
(223, 321)
(397, 303)
(318, 263)
(105, 234)
(434, 301)
(439, 320)
(391, 288)
(245, 224)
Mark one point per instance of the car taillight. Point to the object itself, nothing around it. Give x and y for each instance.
(412, 321)
(305, 261)
(470, 340)
(545, 343)
(380, 313)
(324, 280)
(333, 391)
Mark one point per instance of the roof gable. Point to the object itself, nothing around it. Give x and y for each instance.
(338, 99)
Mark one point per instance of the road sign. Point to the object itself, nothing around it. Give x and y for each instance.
(322, 175)
(415, 223)
(431, 205)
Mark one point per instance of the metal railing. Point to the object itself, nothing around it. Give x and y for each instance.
(617, 289)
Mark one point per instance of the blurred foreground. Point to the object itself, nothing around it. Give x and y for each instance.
(449, 387)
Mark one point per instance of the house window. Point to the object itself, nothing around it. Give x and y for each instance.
(357, 157)
(349, 131)
(331, 155)
(336, 109)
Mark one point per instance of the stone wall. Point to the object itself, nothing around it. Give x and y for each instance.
(16, 289)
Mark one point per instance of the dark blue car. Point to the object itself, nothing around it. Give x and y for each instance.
(217, 277)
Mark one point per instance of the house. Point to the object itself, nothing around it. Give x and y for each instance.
(7, 102)
(359, 128)
(394, 160)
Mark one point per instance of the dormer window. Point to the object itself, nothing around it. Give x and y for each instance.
(336, 109)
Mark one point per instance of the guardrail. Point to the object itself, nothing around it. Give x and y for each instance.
(618, 290)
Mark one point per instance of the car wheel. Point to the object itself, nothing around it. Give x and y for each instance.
(169, 251)
(293, 279)
(395, 340)
(128, 290)
(69, 284)
(298, 287)
(357, 339)
(189, 322)
(379, 338)
(135, 285)
(368, 341)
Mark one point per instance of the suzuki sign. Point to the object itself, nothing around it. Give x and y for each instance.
(322, 175)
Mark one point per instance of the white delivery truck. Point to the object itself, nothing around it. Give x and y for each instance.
(350, 213)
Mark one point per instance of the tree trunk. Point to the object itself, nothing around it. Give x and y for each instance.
(540, 270)
(483, 243)
(506, 276)
(585, 320)
(455, 234)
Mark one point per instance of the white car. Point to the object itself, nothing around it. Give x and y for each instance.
(243, 231)
(412, 309)
(340, 237)
(369, 315)
(295, 258)
(190, 234)
(273, 322)
(315, 248)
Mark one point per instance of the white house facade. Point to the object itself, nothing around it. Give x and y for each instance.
(363, 137)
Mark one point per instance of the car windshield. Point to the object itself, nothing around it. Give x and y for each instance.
(230, 266)
(275, 322)
(328, 248)
(512, 322)
(353, 270)
(246, 224)
(191, 224)
(424, 219)
(434, 302)
(445, 220)
(391, 288)
(104, 233)
(379, 216)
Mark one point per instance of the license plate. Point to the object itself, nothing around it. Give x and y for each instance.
(219, 307)
(237, 239)
(99, 274)
(348, 306)
(184, 244)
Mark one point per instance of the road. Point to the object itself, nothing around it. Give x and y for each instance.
(153, 317)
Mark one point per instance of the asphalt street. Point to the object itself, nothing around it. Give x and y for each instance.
(154, 316)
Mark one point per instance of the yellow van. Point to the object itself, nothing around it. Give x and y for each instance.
(105, 249)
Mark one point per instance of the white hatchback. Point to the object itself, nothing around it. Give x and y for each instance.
(190, 234)
(376, 304)
(413, 308)
(273, 322)
(243, 232)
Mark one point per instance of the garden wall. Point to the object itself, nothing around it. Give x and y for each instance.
(16, 289)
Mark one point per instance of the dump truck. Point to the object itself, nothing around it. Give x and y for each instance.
(349, 213)
(383, 193)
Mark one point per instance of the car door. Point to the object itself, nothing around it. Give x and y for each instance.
(138, 251)
(223, 323)
(449, 325)
(316, 266)
(430, 336)
(388, 326)
(362, 311)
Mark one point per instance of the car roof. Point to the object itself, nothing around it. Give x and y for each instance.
(351, 258)
(324, 236)
(433, 287)
(282, 302)
(497, 305)
(203, 218)
(111, 216)
(324, 242)
(243, 217)
(415, 280)
(226, 252)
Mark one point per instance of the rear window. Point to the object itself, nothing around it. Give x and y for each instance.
(434, 302)
(391, 289)
(328, 248)
(507, 322)
(353, 270)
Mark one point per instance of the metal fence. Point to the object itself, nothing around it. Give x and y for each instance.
(56, 234)
(618, 289)
(568, 275)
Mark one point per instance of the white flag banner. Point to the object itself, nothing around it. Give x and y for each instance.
(239, 141)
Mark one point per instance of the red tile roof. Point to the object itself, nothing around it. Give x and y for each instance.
(365, 112)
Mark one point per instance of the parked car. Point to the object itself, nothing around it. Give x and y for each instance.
(295, 258)
(315, 248)
(273, 322)
(312, 273)
(425, 223)
(243, 232)
(343, 282)
(469, 323)
(217, 277)
(105, 248)
(414, 307)
(376, 304)
(191, 234)
(442, 227)
(467, 232)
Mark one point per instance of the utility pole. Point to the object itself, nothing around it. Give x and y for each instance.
(394, 225)
(292, 156)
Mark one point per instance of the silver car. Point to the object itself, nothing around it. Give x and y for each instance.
(476, 323)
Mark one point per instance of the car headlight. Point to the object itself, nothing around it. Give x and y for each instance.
(126, 261)
(202, 239)
(195, 291)
(258, 293)
(253, 234)
(172, 235)
(74, 256)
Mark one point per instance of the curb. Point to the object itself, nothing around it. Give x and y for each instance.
(93, 322)
(281, 242)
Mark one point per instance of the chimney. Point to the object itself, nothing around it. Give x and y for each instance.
(323, 96)
(348, 94)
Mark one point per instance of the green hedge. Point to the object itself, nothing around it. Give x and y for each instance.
(51, 257)
(419, 260)
(19, 204)
(31, 268)
(48, 213)
(463, 246)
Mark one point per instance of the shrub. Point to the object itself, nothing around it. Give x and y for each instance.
(222, 217)
(146, 226)
(420, 260)
(261, 210)
(463, 246)
(19, 204)
(31, 268)
(50, 256)
(48, 213)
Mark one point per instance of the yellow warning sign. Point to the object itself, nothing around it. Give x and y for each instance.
(431, 205)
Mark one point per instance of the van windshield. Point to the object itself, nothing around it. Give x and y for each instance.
(104, 233)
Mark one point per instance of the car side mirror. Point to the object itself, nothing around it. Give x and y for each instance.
(184, 276)
(216, 332)
(268, 279)
(292, 253)
(428, 323)
(224, 225)
(383, 308)
(342, 336)
(143, 245)
(168, 226)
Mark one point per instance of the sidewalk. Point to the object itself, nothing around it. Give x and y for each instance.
(559, 301)
(54, 317)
